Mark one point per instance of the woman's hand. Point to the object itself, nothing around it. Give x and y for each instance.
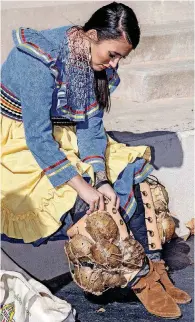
(91, 196)
(109, 192)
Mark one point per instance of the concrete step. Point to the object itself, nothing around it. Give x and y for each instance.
(148, 12)
(155, 80)
(158, 115)
(51, 14)
(166, 41)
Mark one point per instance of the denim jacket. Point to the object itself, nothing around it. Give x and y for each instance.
(31, 92)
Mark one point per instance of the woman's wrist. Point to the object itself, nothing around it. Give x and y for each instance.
(100, 179)
(101, 183)
(76, 182)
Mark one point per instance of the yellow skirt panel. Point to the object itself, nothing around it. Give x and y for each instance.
(31, 207)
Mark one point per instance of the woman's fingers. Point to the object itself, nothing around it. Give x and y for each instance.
(101, 202)
(91, 209)
(113, 198)
(118, 203)
(97, 204)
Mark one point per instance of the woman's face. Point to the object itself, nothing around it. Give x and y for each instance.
(107, 53)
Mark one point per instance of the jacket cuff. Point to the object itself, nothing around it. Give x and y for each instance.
(98, 162)
(60, 172)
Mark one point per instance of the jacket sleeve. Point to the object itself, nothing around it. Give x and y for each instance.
(91, 136)
(92, 141)
(36, 100)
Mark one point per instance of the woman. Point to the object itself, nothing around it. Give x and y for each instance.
(57, 161)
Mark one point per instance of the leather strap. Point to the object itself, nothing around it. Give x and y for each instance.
(150, 217)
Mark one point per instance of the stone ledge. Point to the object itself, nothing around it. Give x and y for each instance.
(165, 41)
(175, 115)
(156, 80)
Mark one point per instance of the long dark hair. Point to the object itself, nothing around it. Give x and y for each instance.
(110, 22)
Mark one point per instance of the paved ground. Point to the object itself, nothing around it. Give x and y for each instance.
(122, 305)
(140, 118)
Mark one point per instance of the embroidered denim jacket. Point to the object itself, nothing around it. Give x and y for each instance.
(31, 92)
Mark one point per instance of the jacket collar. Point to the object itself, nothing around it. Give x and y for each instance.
(75, 97)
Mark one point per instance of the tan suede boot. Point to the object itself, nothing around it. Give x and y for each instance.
(178, 295)
(153, 296)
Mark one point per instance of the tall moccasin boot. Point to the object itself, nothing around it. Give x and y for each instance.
(178, 295)
(154, 297)
(161, 225)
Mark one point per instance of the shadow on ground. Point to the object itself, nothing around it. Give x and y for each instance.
(163, 153)
(121, 304)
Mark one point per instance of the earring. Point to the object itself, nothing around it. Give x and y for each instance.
(90, 54)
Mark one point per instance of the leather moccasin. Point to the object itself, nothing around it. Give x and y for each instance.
(178, 295)
(154, 297)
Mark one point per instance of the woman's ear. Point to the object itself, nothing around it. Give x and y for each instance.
(92, 34)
